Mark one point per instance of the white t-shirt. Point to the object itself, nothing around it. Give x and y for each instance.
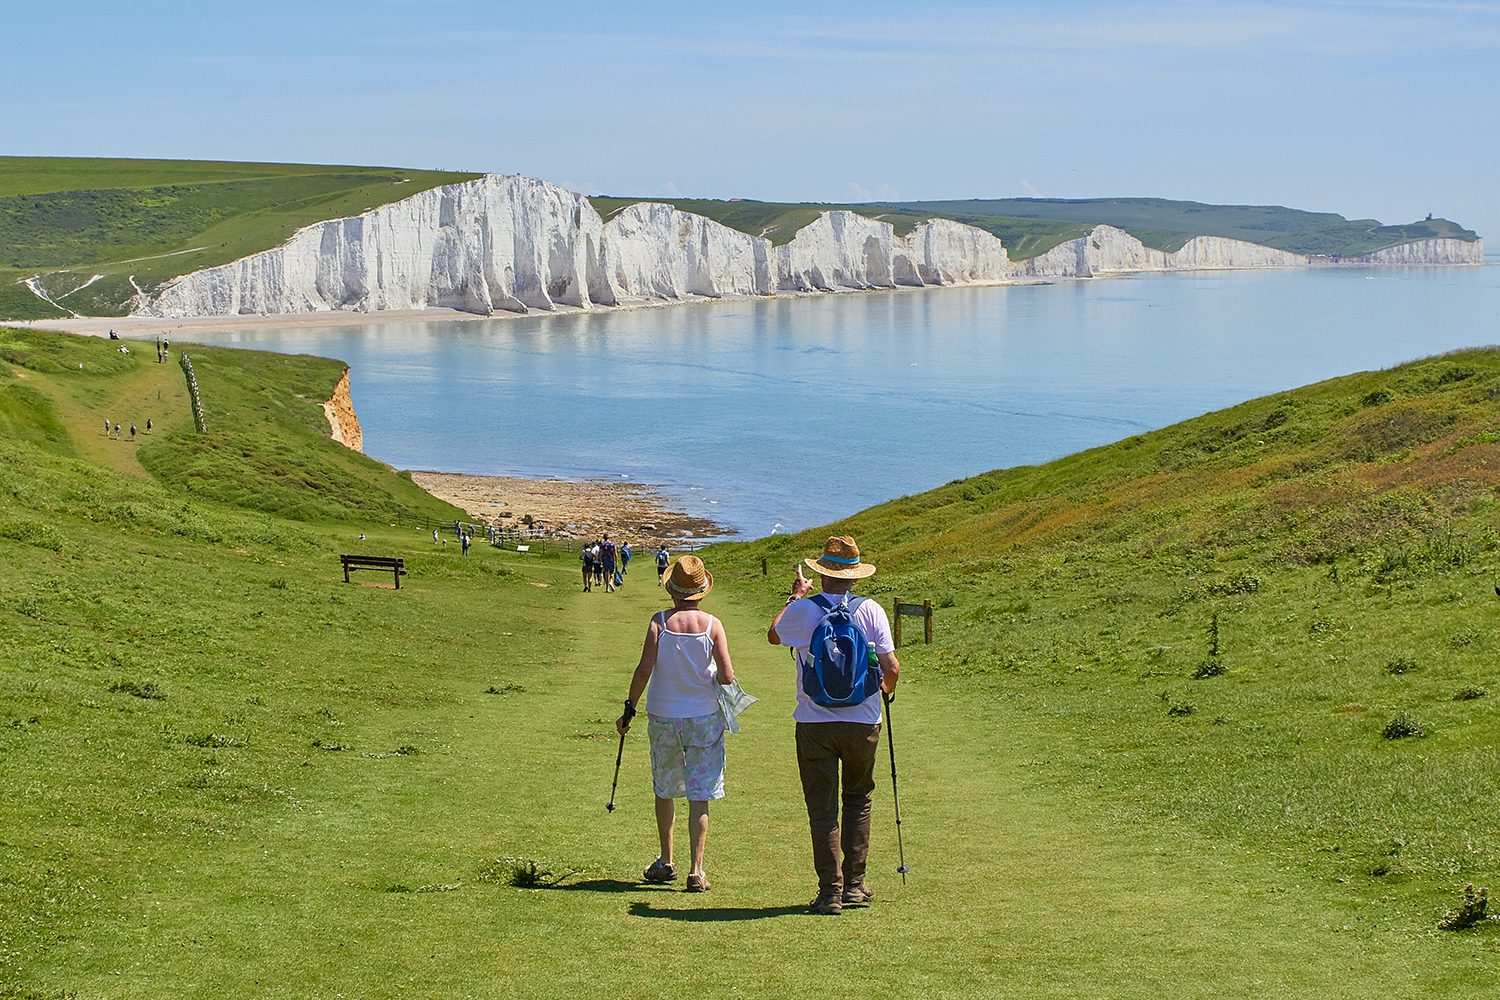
(796, 628)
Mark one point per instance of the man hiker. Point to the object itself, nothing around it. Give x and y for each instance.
(838, 723)
(624, 558)
(661, 562)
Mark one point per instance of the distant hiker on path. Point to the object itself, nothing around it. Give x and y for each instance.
(132, 432)
(661, 562)
(838, 714)
(466, 545)
(588, 568)
(685, 725)
(607, 560)
(624, 558)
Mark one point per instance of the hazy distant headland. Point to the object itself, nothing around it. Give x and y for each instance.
(175, 239)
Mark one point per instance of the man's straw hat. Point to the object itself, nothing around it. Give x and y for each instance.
(840, 559)
(687, 580)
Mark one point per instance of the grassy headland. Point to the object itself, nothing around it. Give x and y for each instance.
(1031, 226)
(1145, 753)
(103, 223)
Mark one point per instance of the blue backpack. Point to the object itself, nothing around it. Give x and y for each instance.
(839, 671)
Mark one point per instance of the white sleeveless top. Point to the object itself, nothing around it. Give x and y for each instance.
(684, 683)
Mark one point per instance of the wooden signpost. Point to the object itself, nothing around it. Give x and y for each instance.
(922, 611)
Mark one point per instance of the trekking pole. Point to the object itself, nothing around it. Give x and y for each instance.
(618, 757)
(895, 795)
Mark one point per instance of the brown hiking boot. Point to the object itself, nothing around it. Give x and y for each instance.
(826, 904)
(698, 883)
(857, 894)
(659, 872)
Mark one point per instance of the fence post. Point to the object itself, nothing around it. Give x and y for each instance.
(897, 616)
(193, 396)
(927, 623)
(762, 565)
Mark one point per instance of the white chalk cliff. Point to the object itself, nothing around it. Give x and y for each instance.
(513, 243)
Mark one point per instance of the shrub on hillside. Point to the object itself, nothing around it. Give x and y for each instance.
(1472, 910)
(1403, 725)
(1401, 665)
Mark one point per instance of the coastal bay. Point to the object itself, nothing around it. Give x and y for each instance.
(944, 383)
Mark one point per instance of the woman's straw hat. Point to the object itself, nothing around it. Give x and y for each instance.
(687, 580)
(840, 559)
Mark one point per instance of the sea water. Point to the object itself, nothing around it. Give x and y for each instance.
(779, 414)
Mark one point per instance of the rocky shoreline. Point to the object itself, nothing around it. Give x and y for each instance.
(627, 511)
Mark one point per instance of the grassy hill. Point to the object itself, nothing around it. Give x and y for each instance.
(91, 227)
(1169, 224)
(1225, 621)
(267, 446)
(1032, 226)
(1148, 750)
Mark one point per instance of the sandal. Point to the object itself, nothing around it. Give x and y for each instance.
(659, 872)
(698, 883)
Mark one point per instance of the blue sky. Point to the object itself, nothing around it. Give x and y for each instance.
(1383, 110)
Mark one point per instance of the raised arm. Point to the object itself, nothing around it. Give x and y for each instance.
(721, 652)
(801, 587)
(641, 677)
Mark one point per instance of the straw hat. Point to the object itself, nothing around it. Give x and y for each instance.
(687, 580)
(840, 559)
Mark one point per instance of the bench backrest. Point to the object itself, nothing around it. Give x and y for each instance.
(384, 562)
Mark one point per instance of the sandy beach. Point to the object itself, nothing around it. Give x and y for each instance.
(629, 512)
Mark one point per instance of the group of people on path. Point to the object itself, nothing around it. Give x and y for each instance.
(112, 429)
(684, 669)
(605, 564)
(463, 532)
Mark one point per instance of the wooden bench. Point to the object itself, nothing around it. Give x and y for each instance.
(374, 562)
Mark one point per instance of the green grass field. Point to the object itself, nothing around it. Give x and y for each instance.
(230, 773)
(89, 227)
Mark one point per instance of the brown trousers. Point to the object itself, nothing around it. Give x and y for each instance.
(821, 748)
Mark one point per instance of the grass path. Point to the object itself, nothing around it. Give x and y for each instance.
(155, 392)
(284, 869)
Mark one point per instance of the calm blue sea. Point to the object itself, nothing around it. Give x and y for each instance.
(788, 413)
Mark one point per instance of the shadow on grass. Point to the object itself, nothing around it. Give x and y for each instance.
(607, 885)
(710, 914)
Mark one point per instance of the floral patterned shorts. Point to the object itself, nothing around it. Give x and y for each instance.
(687, 757)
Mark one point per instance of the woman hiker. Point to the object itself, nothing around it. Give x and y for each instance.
(685, 659)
